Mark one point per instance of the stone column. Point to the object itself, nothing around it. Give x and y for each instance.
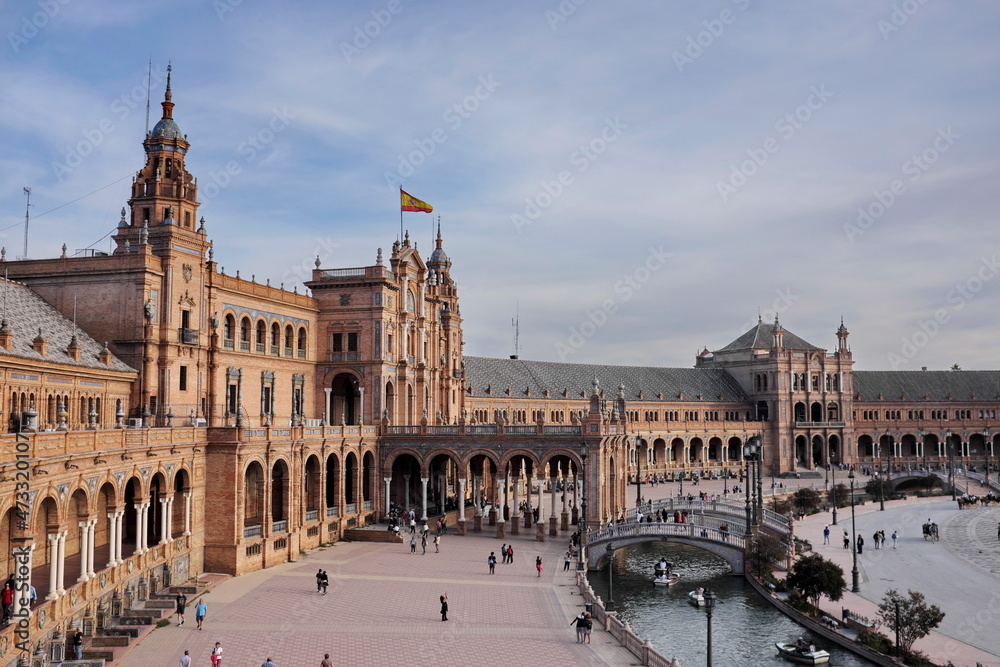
(53, 539)
(112, 538)
(388, 483)
(423, 497)
(187, 513)
(515, 506)
(501, 500)
(564, 517)
(138, 528)
(164, 520)
(120, 535)
(406, 493)
(61, 563)
(84, 535)
(461, 506)
(529, 518)
(361, 406)
(444, 492)
(92, 529)
(553, 519)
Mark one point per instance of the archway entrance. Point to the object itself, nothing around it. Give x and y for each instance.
(345, 400)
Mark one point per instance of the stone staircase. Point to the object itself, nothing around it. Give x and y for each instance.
(134, 624)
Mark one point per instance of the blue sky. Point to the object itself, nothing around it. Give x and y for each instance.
(635, 179)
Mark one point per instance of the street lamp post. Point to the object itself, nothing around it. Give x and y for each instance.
(833, 476)
(749, 454)
(638, 475)
(758, 514)
(888, 472)
(772, 479)
(725, 481)
(581, 523)
(986, 447)
(855, 587)
(951, 463)
(611, 562)
(710, 598)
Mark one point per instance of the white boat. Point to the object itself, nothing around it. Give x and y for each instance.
(813, 657)
(697, 597)
(667, 579)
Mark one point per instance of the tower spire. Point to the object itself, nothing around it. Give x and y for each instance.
(167, 103)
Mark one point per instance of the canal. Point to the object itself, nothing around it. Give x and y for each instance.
(744, 626)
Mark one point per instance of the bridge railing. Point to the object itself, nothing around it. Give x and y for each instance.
(707, 528)
(734, 509)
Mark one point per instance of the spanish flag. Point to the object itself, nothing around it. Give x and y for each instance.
(410, 203)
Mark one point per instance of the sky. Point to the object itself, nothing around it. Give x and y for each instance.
(633, 181)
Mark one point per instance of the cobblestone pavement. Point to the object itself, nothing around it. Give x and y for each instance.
(959, 573)
(383, 609)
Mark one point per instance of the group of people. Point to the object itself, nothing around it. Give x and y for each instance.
(584, 624)
(322, 581)
(423, 543)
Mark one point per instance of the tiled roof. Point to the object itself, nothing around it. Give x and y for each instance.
(27, 313)
(938, 385)
(760, 338)
(537, 376)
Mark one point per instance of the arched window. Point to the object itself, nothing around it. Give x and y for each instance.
(275, 338)
(229, 330)
(289, 340)
(302, 343)
(410, 305)
(261, 339)
(245, 334)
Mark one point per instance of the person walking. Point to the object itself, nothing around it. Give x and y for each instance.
(413, 544)
(181, 604)
(510, 553)
(185, 660)
(503, 553)
(319, 581)
(444, 607)
(413, 526)
(8, 601)
(587, 627)
(581, 623)
(78, 644)
(268, 663)
(861, 544)
(894, 536)
(423, 543)
(326, 661)
(566, 560)
(826, 534)
(217, 655)
(538, 565)
(847, 540)
(437, 544)
(492, 561)
(324, 582)
(200, 610)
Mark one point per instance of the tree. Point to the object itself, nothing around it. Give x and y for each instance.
(814, 576)
(765, 552)
(915, 618)
(839, 495)
(877, 486)
(781, 505)
(806, 500)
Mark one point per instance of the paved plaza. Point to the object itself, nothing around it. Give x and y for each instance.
(383, 609)
(383, 603)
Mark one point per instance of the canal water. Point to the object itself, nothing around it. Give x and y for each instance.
(744, 626)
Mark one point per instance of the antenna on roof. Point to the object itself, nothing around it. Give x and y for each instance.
(27, 206)
(6, 283)
(149, 83)
(74, 314)
(515, 323)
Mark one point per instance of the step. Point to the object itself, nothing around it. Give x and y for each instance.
(110, 641)
(107, 656)
(159, 604)
(135, 620)
(151, 613)
(119, 631)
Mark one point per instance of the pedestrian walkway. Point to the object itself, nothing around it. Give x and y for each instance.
(959, 573)
(383, 609)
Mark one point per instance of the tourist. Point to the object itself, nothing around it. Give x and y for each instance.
(78, 644)
(444, 607)
(581, 624)
(503, 553)
(324, 582)
(538, 565)
(217, 655)
(185, 660)
(181, 603)
(510, 553)
(492, 561)
(566, 561)
(8, 601)
(423, 543)
(200, 610)
(826, 534)
(319, 580)
(326, 661)
(587, 627)
(413, 545)
(847, 540)
(894, 536)
(437, 544)
(861, 544)
(268, 663)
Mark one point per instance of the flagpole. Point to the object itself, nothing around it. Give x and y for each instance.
(401, 214)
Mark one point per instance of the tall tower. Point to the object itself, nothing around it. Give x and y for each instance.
(164, 197)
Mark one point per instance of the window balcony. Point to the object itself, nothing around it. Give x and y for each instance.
(279, 526)
(187, 336)
(252, 531)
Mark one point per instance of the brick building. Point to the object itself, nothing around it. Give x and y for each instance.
(175, 419)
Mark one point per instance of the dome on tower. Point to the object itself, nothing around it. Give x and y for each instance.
(438, 257)
(166, 129)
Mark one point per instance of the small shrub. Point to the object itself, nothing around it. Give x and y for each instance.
(163, 622)
(875, 640)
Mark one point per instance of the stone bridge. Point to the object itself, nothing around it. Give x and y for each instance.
(715, 526)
